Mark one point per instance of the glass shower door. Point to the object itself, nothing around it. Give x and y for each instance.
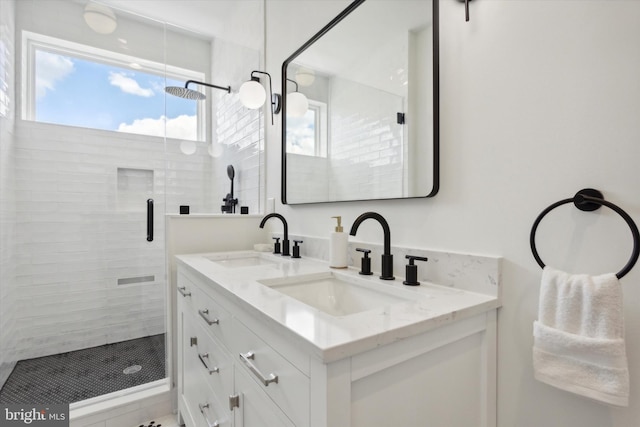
(89, 287)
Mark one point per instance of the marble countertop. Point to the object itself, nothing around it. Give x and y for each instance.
(329, 337)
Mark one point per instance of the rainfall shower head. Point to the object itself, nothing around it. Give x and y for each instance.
(185, 92)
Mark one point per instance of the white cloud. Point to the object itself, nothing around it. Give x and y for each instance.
(51, 69)
(181, 127)
(128, 85)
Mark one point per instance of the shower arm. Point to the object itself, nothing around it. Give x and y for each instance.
(227, 89)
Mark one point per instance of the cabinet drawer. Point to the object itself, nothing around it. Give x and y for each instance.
(210, 314)
(204, 393)
(212, 361)
(212, 317)
(281, 381)
(185, 291)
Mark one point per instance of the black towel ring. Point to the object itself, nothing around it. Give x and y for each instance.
(589, 199)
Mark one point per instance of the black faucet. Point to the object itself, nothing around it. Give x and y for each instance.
(285, 240)
(387, 258)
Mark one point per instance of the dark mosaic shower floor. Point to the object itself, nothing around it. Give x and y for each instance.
(82, 374)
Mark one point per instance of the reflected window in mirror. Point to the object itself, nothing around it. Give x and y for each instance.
(307, 135)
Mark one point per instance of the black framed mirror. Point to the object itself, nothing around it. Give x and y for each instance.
(360, 117)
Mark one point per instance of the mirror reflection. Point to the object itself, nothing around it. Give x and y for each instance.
(359, 115)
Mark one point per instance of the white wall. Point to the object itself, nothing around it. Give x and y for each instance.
(538, 100)
(7, 190)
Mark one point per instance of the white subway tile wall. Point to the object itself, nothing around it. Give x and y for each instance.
(238, 133)
(8, 309)
(366, 150)
(79, 229)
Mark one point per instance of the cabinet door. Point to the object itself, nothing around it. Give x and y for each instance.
(183, 347)
(256, 409)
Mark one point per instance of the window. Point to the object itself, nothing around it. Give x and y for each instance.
(307, 135)
(76, 85)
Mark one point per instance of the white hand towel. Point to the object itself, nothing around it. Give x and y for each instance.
(579, 336)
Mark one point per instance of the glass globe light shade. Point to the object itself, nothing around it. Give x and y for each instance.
(188, 147)
(100, 19)
(252, 94)
(297, 104)
(216, 149)
(305, 76)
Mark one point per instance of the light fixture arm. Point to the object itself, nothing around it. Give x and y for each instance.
(295, 83)
(227, 89)
(274, 97)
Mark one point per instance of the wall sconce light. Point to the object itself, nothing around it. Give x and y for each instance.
(100, 19)
(297, 103)
(253, 95)
(185, 92)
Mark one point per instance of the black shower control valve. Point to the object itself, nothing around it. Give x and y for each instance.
(412, 270)
(276, 245)
(365, 262)
(296, 249)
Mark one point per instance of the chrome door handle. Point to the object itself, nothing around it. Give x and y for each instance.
(205, 315)
(183, 290)
(206, 356)
(247, 358)
(202, 408)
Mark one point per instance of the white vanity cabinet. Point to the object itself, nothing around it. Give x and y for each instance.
(268, 376)
(212, 389)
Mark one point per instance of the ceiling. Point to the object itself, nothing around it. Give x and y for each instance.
(240, 21)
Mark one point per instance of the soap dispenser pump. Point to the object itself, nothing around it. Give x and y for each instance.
(338, 241)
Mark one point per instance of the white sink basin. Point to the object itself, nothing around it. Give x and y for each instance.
(338, 294)
(245, 260)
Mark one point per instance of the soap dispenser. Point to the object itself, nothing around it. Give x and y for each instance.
(338, 246)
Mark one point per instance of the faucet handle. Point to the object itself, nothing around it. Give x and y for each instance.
(365, 264)
(296, 249)
(412, 270)
(276, 245)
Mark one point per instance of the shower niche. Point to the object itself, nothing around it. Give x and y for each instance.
(135, 187)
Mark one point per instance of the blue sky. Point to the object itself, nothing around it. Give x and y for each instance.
(77, 92)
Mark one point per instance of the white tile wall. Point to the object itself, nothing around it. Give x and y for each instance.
(73, 241)
(7, 191)
(366, 143)
(238, 132)
(366, 149)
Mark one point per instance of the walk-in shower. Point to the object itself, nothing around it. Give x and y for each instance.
(83, 289)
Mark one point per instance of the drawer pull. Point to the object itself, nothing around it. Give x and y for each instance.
(183, 290)
(202, 408)
(246, 359)
(206, 356)
(205, 315)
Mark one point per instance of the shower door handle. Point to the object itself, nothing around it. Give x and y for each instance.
(150, 220)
